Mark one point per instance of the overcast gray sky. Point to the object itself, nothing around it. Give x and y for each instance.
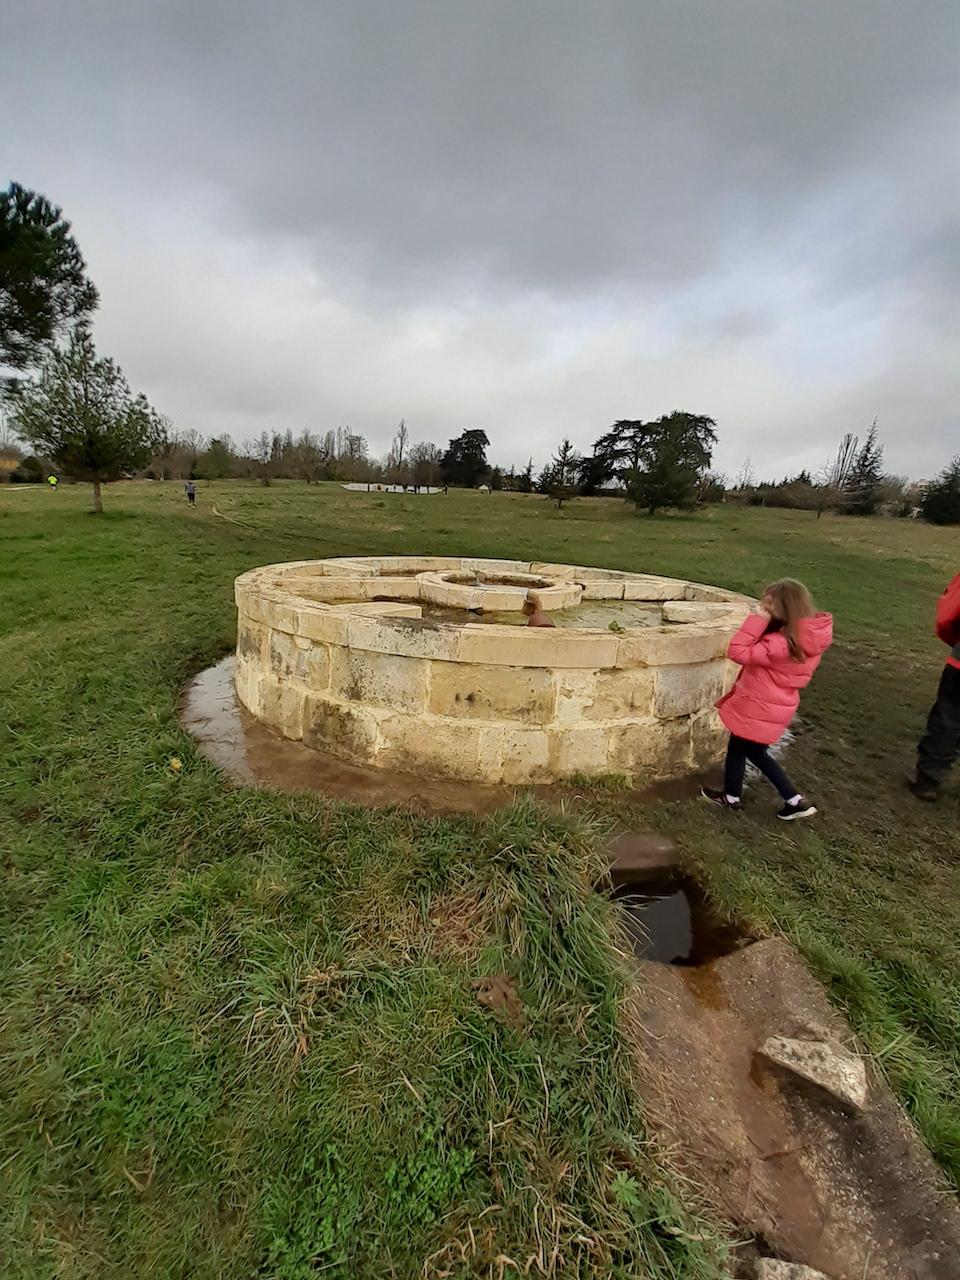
(531, 217)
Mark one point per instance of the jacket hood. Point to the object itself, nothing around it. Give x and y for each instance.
(816, 633)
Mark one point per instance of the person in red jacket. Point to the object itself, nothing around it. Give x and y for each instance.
(779, 649)
(940, 745)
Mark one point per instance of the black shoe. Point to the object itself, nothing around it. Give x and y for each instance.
(719, 798)
(924, 790)
(801, 809)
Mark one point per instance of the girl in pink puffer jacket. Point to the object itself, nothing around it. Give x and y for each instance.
(779, 649)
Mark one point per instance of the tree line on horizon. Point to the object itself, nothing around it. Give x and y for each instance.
(77, 413)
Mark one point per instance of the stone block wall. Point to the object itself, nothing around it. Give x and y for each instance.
(476, 701)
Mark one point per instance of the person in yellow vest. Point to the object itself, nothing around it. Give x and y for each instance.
(53, 481)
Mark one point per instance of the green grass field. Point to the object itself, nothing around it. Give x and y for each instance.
(239, 1031)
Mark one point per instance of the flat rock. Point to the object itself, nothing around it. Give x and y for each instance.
(834, 1069)
(771, 1269)
(636, 856)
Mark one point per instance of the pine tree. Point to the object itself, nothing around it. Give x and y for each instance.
(81, 414)
(941, 497)
(44, 290)
(561, 484)
(863, 484)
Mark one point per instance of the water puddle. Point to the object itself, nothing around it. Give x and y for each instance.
(670, 922)
(250, 752)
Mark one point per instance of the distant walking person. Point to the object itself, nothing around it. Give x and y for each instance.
(53, 481)
(939, 747)
(779, 649)
(191, 491)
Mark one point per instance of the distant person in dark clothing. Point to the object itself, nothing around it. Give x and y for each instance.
(191, 491)
(939, 747)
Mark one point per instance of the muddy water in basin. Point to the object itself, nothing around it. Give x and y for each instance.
(591, 613)
(672, 923)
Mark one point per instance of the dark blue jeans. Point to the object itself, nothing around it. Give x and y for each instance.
(739, 751)
(940, 745)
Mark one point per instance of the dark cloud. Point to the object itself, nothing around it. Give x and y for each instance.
(534, 216)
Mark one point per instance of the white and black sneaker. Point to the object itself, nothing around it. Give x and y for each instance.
(719, 798)
(801, 808)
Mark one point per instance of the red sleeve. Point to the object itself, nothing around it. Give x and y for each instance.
(948, 614)
(751, 646)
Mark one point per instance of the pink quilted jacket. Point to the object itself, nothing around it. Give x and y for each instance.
(767, 693)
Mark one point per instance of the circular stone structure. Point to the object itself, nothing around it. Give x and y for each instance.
(344, 655)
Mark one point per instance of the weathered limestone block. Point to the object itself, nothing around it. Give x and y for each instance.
(576, 692)
(499, 599)
(298, 659)
(579, 749)
(277, 612)
(691, 611)
(535, 647)
(708, 738)
(380, 609)
(247, 681)
(328, 588)
(834, 1069)
(418, 564)
(683, 689)
(434, 747)
(408, 637)
(560, 596)
(612, 694)
(650, 750)
(251, 639)
(601, 589)
(543, 569)
(249, 603)
(452, 595)
(472, 564)
(669, 646)
(479, 692)
(282, 705)
(347, 731)
(323, 623)
(649, 587)
(378, 679)
(345, 567)
(514, 755)
(623, 694)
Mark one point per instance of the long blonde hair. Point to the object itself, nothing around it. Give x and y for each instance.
(790, 601)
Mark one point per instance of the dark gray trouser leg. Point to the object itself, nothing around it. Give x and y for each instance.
(940, 745)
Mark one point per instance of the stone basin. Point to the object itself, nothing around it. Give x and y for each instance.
(337, 653)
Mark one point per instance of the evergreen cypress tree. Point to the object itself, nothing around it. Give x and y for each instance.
(862, 485)
(941, 497)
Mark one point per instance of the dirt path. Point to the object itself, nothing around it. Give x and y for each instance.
(852, 1193)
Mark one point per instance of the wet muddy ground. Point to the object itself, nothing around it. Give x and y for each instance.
(250, 752)
(795, 1173)
(854, 1195)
